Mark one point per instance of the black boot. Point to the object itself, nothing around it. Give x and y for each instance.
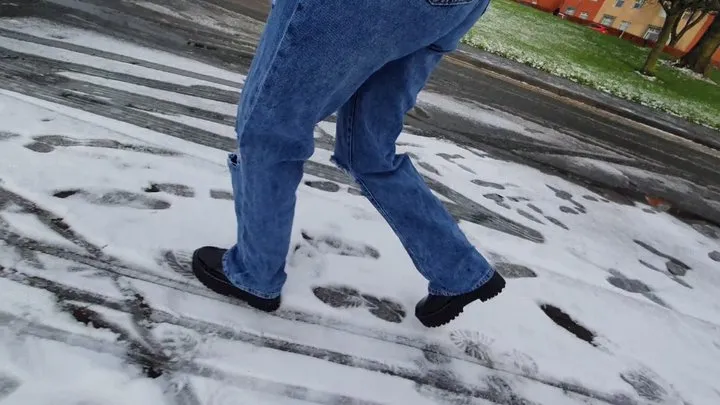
(437, 310)
(208, 268)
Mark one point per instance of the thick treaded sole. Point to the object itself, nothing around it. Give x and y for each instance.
(455, 307)
(223, 286)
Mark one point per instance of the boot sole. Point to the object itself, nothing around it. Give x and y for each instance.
(223, 287)
(449, 312)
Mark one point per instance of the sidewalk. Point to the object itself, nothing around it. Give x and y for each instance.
(566, 88)
(112, 170)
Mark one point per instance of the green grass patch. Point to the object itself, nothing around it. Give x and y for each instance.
(604, 62)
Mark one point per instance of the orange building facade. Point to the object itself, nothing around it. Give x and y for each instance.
(582, 9)
(637, 20)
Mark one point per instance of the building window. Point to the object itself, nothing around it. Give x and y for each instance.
(639, 3)
(570, 11)
(624, 25)
(619, 3)
(607, 20)
(584, 15)
(652, 33)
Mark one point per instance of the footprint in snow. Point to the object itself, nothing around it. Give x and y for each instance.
(650, 386)
(179, 190)
(500, 391)
(564, 195)
(435, 354)
(632, 285)
(48, 143)
(8, 385)
(671, 276)
(178, 343)
(452, 158)
(488, 184)
(511, 270)
(563, 320)
(115, 198)
(428, 167)
(529, 216)
(714, 255)
(499, 200)
(536, 209)
(328, 186)
(557, 222)
(519, 362)
(179, 262)
(221, 195)
(4, 136)
(355, 191)
(449, 157)
(673, 265)
(568, 210)
(335, 245)
(473, 344)
(338, 296)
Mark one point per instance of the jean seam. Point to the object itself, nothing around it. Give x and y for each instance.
(351, 127)
(272, 67)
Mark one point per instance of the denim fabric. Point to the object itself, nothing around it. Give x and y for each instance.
(368, 60)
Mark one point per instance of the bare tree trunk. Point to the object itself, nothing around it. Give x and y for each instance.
(695, 18)
(651, 61)
(700, 56)
(674, 33)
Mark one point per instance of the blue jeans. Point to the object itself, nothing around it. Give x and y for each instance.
(367, 60)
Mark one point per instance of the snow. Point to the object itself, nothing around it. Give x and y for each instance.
(646, 77)
(656, 339)
(466, 111)
(53, 372)
(206, 15)
(44, 29)
(214, 127)
(688, 72)
(190, 101)
(493, 118)
(103, 63)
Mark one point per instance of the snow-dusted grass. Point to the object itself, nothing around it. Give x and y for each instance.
(603, 62)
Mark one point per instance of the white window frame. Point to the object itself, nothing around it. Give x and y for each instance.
(619, 3)
(608, 17)
(570, 10)
(624, 25)
(584, 15)
(655, 30)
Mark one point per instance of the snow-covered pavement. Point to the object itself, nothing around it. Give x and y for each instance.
(112, 170)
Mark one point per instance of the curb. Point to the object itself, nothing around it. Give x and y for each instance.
(699, 134)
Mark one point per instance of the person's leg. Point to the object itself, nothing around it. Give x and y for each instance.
(367, 128)
(312, 57)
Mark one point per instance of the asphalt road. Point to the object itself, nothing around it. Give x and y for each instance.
(692, 172)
